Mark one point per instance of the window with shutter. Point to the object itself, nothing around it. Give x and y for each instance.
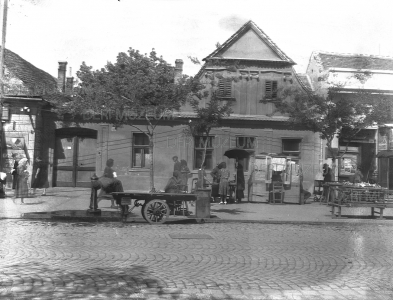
(271, 89)
(225, 88)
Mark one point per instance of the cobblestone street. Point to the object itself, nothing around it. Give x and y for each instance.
(47, 260)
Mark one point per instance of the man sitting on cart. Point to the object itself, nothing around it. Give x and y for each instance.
(175, 186)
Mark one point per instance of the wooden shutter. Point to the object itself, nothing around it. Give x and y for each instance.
(225, 87)
(271, 89)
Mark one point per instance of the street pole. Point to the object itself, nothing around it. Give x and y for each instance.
(2, 54)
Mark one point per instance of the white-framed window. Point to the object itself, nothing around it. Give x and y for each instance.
(140, 151)
(199, 147)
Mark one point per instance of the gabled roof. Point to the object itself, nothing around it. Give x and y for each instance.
(353, 61)
(270, 48)
(305, 81)
(30, 75)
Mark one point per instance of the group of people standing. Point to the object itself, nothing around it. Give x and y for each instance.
(20, 176)
(221, 186)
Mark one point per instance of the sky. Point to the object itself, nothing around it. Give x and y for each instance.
(94, 31)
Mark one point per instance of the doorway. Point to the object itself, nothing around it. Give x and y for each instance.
(75, 157)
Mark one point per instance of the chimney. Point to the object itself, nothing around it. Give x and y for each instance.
(69, 84)
(178, 69)
(61, 78)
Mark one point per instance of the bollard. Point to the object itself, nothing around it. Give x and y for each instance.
(95, 186)
(202, 205)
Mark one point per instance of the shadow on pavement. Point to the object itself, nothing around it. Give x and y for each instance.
(235, 211)
(33, 203)
(48, 281)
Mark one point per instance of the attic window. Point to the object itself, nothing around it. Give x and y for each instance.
(225, 88)
(271, 89)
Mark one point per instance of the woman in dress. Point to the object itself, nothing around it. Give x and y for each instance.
(109, 182)
(215, 173)
(223, 188)
(173, 186)
(174, 183)
(41, 176)
(21, 188)
(184, 171)
(14, 170)
(241, 183)
(327, 177)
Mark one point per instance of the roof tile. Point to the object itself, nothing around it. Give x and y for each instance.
(355, 61)
(30, 75)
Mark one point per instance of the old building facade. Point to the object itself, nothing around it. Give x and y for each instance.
(354, 74)
(247, 69)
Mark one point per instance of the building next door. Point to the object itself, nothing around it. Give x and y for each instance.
(75, 157)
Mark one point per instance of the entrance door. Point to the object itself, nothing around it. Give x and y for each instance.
(75, 160)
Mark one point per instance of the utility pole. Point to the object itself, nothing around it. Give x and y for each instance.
(2, 54)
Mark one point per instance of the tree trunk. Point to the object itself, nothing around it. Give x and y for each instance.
(201, 177)
(151, 147)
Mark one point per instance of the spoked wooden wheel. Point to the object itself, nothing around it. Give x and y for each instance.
(155, 211)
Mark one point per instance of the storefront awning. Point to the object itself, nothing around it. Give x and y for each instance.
(385, 154)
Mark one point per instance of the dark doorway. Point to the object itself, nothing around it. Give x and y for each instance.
(75, 157)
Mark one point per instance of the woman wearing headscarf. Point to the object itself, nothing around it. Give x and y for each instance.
(173, 186)
(14, 172)
(241, 184)
(41, 176)
(21, 188)
(327, 177)
(174, 183)
(215, 173)
(184, 171)
(109, 182)
(223, 188)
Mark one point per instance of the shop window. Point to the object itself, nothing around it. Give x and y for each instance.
(225, 88)
(291, 146)
(140, 151)
(271, 89)
(247, 143)
(199, 147)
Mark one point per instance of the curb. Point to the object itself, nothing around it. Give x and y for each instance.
(96, 219)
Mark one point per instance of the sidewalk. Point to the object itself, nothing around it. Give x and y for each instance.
(72, 203)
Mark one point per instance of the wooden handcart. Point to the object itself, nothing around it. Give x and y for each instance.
(155, 207)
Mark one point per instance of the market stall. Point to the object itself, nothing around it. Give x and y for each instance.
(271, 167)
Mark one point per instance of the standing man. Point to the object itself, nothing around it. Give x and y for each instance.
(177, 165)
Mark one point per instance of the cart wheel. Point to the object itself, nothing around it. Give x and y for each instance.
(155, 211)
(143, 211)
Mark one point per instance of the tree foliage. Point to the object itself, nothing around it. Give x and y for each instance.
(335, 114)
(136, 89)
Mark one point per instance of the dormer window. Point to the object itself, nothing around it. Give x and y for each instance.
(271, 89)
(225, 88)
